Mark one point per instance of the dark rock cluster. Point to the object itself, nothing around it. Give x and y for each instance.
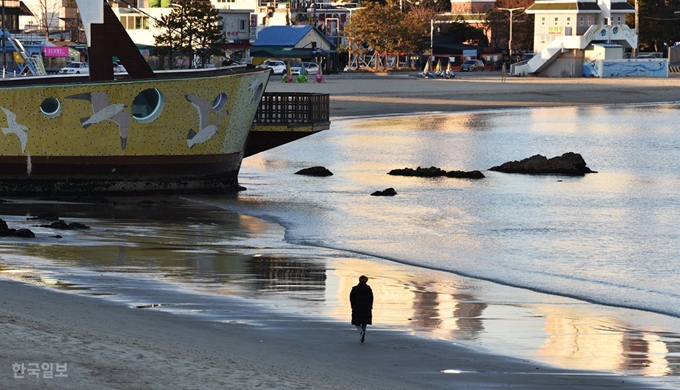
(63, 225)
(56, 223)
(46, 217)
(5, 231)
(571, 164)
(436, 172)
(387, 192)
(315, 171)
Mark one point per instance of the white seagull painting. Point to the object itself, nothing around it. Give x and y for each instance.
(14, 128)
(206, 128)
(104, 110)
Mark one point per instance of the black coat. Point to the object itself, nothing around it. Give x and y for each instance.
(361, 299)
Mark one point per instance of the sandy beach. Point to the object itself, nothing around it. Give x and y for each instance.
(356, 95)
(111, 344)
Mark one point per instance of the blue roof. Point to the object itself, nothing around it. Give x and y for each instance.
(284, 36)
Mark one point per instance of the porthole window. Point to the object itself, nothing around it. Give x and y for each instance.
(219, 102)
(259, 91)
(50, 107)
(148, 105)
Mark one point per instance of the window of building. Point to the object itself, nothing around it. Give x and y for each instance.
(556, 20)
(568, 21)
(589, 22)
(580, 20)
(133, 22)
(618, 20)
(543, 21)
(242, 25)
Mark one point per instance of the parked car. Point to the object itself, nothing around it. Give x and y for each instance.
(118, 68)
(472, 66)
(310, 68)
(277, 67)
(75, 68)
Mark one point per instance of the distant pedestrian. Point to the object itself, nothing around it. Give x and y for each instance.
(361, 299)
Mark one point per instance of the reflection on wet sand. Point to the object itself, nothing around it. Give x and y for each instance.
(228, 254)
(468, 315)
(601, 344)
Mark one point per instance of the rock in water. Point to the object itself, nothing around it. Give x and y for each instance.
(387, 192)
(315, 171)
(567, 164)
(436, 172)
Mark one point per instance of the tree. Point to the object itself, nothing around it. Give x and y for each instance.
(498, 25)
(209, 37)
(47, 14)
(387, 30)
(192, 27)
(436, 5)
(410, 34)
(659, 26)
(374, 26)
(461, 32)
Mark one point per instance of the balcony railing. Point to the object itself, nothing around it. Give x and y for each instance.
(293, 108)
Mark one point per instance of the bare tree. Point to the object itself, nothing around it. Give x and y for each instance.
(47, 14)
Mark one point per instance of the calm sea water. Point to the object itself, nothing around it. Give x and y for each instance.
(610, 237)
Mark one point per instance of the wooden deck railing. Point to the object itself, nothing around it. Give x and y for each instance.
(292, 108)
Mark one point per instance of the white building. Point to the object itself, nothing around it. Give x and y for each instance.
(585, 38)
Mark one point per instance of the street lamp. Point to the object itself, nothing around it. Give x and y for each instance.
(510, 38)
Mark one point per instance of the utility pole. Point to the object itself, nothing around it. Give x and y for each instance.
(4, 45)
(637, 26)
(431, 59)
(510, 38)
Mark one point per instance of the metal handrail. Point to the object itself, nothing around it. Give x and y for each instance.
(293, 108)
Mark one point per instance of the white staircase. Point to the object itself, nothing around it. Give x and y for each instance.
(32, 64)
(550, 53)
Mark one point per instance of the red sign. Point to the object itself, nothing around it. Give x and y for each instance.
(54, 51)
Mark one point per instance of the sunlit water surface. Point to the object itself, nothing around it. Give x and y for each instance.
(608, 238)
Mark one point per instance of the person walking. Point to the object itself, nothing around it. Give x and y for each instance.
(361, 300)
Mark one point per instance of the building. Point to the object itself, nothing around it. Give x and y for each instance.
(12, 11)
(140, 24)
(300, 42)
(585, 38)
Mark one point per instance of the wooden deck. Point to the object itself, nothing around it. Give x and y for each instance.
(286, 117)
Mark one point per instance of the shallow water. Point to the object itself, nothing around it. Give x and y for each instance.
(607, 238)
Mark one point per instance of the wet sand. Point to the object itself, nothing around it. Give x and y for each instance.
(113, 344)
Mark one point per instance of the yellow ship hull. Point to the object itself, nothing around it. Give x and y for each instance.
(179, 132)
